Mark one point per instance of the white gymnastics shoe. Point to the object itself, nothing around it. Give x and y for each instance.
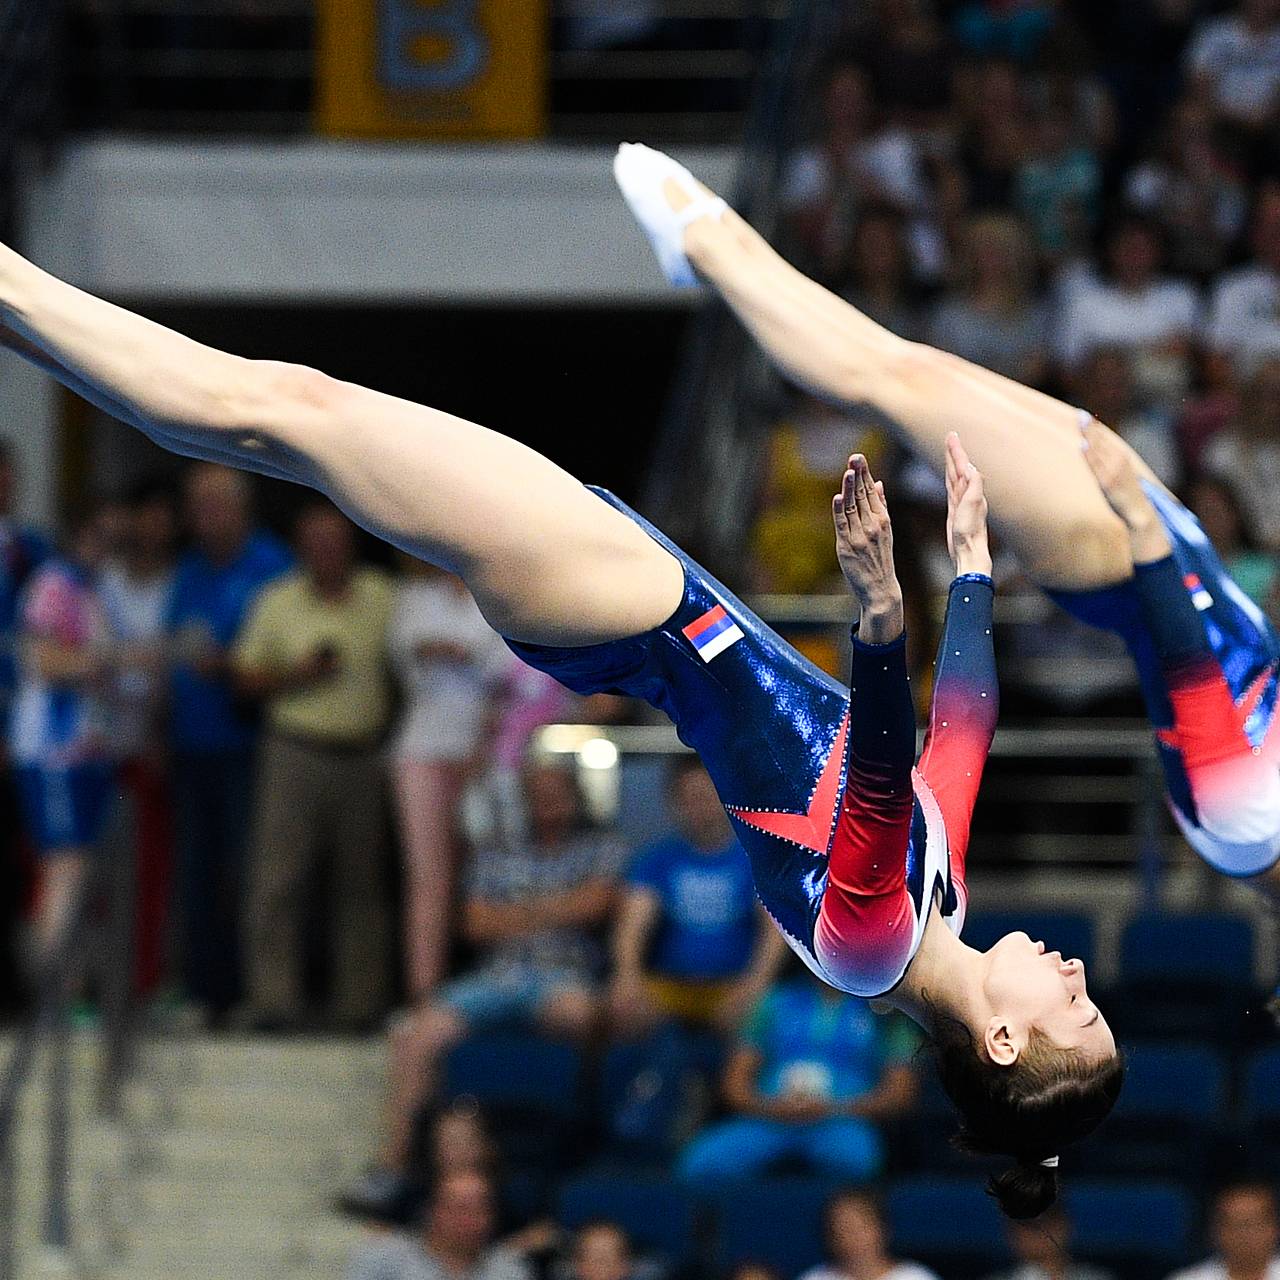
(641, 173)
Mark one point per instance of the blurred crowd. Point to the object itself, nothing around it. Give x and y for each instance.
(1083, 196)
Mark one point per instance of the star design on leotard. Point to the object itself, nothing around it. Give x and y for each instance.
(811, 829)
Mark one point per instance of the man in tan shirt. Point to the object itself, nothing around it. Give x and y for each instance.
(313, 652)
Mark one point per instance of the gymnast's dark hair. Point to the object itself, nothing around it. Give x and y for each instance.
(1031, 1110)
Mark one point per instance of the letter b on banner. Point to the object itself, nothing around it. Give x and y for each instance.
(431, 68)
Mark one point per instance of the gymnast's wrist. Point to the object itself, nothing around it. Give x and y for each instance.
(881, 621)
(973, 558)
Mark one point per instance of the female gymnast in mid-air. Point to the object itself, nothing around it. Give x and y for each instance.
(1207, 658)
(859, 858)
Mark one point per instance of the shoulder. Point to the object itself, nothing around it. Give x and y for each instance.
(503, 1264)
(391, 1254)
(911, 1271)
(1207, 1270)
(1213, 38)
(375, 585)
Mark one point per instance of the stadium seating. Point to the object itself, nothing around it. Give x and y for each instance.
(656, 1212)
(777, 1221)
(1143, 1229)
(1067, 931)
(949, 1223)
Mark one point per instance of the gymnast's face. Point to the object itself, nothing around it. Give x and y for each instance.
(1030, 988)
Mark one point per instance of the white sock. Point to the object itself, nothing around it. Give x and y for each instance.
(641, 173)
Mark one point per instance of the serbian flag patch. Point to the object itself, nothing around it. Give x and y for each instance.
(713, 633)
(1199, 596)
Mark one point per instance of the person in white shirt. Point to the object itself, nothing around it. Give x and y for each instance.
(1134, 306)
(1245, 1229)
(857, 1241)
(1234, 62)
(447, 660)
(137, 592)
(1244, 314)
(1248, 450)
(1043, 1251)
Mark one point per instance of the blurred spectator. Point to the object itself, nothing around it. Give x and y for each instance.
(60, 732)
(993, 318)
(1233, 61)
(602, 1250)
(812, 1074)
(877, 275)
(906, 50)
(1134, 306)
(22, 551)
(455, 1242)
(1193, 190)
(137, 593)
(313, 652)
(447, 659)
(213, 739)
(858, 1243)
(855, 162)
(791, 540)
(1248, 450)
(1245, 1230)
(1004, 28)
(534, 914)
(454, 1138)
(1104, 385)
(691, 942)
(1216, 505)
(753, 1271)
(1059, 187)
(994, 136)
(1244, 314)
(1043, 1250)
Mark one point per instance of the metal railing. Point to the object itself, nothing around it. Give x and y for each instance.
(98, 927)
(684, 73)
(701, 471)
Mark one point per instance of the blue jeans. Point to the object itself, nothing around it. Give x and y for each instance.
(844, 1147)
(212, 796)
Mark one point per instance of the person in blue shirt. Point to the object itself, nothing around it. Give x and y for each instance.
(213, 740)
(813, 1073)
(691, 941)
(23, 550)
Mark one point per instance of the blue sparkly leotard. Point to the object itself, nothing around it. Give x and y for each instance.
(850, 846)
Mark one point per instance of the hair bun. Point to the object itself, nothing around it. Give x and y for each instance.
(1024, 1190)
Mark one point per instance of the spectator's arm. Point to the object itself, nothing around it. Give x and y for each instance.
(588, 905)
(740, 1082)
(258, 669)
(485, 921)
(62, 664)
(894, 1093)
(766, 960)
(631, 934)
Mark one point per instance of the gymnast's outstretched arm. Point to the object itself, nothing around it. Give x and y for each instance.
(547, 561)
(1025, 443)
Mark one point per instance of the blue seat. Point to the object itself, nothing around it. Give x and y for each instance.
(777, 1221)
(1177, 1083)
(1067, 931)
(946, 1219)
(657, 1213)
(1261, 1093)
(517, 1072)
(1142, 1222)
(1196, 949)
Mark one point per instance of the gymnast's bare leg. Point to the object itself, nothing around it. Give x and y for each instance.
(547, 561)
(1026, 443)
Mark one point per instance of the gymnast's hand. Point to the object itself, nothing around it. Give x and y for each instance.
(966, 512)
(864, 547)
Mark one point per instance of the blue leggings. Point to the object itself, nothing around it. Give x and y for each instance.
(844, 1147)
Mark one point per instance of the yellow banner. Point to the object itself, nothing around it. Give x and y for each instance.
(431, 68)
